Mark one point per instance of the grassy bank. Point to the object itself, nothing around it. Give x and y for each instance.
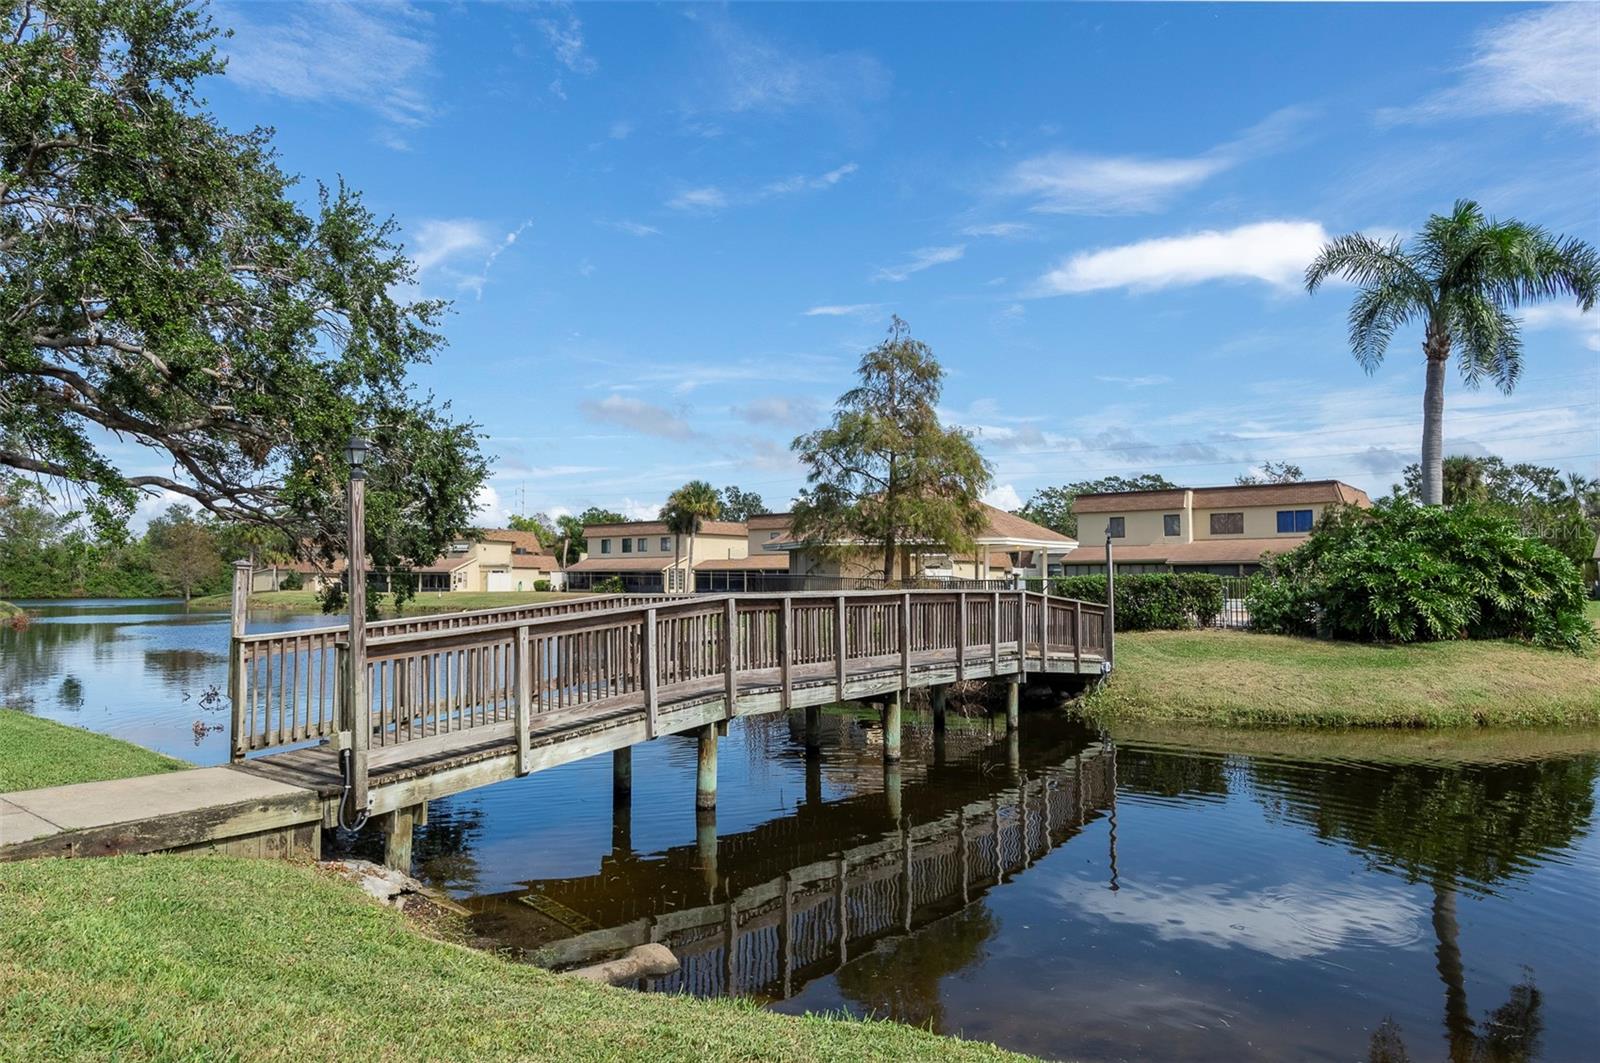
(208, 957)
(36, 753)
(7, 611)
(1233, 678)
(448, 602)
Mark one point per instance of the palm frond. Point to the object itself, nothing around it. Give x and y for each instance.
(1489, 342)
(1364, 261)
(1378, 310)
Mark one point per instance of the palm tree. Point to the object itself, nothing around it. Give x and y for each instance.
(1460, 278)
(1464, 480)
(685, 510)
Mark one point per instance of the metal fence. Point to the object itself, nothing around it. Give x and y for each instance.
(1235, 612)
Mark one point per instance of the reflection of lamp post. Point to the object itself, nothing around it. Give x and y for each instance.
(353, 810)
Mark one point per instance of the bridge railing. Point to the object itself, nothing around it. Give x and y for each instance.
(512, 666)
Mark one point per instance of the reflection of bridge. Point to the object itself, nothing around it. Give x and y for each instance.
(808, 920)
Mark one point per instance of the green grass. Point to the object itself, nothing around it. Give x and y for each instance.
(7, 610)
(1591, 609)
(1238, 679)
(36, 753)
(204, 957)
(448, 602)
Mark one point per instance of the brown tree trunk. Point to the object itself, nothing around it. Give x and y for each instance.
(888, 561)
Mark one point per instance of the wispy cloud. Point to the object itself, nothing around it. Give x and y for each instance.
(638, 416)
(474, 282)
(1563, 316)
(1004, 228)
(751, 73)
(845, 310)
(439, 240)
(372, 56)
(777, 410)
(1543, 60)
(1003, 496)
(632, 228)
(705, 199)
(1273, 252)
(564, 32)
(1066, 182)
(924, 258)
(621, 129)
(711, 198)
(1149, 381)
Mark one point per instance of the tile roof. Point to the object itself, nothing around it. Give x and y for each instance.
(542, 562)
(1241, 495)
(608, 563)
(755, 562)
(525, 541)
(1008, 527)
(656, 527)
(769, 521)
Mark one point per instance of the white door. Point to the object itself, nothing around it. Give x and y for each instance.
(498, 581)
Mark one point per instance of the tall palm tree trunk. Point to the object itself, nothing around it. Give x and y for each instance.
(688, 577)
(1458, 1024)
(1436, 349)
(677, 559)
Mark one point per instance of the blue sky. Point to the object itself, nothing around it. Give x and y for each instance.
(670, 231)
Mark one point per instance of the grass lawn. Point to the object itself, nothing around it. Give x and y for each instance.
(448, 602)
(203, 957)
(1234, 678)
(1592, 610)
(36, 753)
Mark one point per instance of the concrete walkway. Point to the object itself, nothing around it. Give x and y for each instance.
(237, 810)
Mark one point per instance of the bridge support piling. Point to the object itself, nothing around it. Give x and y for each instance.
(705, 842)
(397, 830)
(705, 790)
(622, 800)
(1013, 702)
(891, 726)
(938, 696)
(891, 788)
(813, 781)
(1014, 751)
(813, 730)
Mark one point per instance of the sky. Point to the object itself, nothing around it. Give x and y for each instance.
(669, 232)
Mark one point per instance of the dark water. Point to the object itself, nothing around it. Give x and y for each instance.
(147, 670)
(1160, 893)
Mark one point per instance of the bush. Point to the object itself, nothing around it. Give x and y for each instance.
(609, 585)
(292, 582)
(541, 584)
(1399, 572)
(1151, 601)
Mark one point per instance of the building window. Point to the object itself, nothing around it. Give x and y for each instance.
(605, 546)
(771, 535)
(627, 546)
(666, 543)
(1116, 527)
(1294, 520)
(1172, 524)
(1227, 524)
(643, 545)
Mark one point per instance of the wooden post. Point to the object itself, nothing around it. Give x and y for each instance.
(841, 896)
(730, 651)
(892, 788)
(839, 648)
(647, 664)
(622, 800)
(1077, 636)
(786, 938)
(1022, 631)
(358, 714)
(1013, 700)
(730, 973)
(397, 828)
(238, 683)
(1111, 606)
(891, 726)
(994, 632)
(961, 636)
(786, 652)
(1044, 627)
(1022, 819)
(905, 641)
(909, 899)
(961, 846)
(938, 696)
(705, 843)
(522, 677)
(813, 730)
(705, 792)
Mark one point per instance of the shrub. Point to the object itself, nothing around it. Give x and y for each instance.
(1150, 601)
(292, 582)
(541, 584)
(1399, 572)
(609, 585)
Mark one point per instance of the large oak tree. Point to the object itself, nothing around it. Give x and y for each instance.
(163, 284)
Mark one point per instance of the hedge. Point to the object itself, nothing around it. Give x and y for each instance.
(1150, 601)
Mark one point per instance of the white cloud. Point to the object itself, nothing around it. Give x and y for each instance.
(474, 282)
(708, 198)
(439, 240)
(922, 259)
(370, 56)
(1067, 182)
(488, 509)
(565, 34)
(793, 413)
(844, 310)
(1563, 316)
(1004, 496)
(636, 510)
(632, 228)
(1274, 252)
(748, 73)
(1287, 921)
(637, 415)
(801, 183)
(1542, 60)
(1004, 228)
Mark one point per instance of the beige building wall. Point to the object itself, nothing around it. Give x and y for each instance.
(1260, 522)
(1147, 527)
(660, 544)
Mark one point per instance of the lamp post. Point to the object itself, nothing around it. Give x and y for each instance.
(357, 719)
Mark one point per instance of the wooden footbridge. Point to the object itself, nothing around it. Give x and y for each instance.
(420, 708)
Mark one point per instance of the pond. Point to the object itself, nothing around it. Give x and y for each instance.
(1164, 892)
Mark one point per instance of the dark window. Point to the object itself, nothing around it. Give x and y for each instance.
(1172, 524)
(666, 543)
(1227, 524)
(643, 545)
(1294, 520)
(627, 546)
(605, 546)
(1116, 527)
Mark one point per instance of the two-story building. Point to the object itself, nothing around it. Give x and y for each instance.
(648, 558)
(1222, 530)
